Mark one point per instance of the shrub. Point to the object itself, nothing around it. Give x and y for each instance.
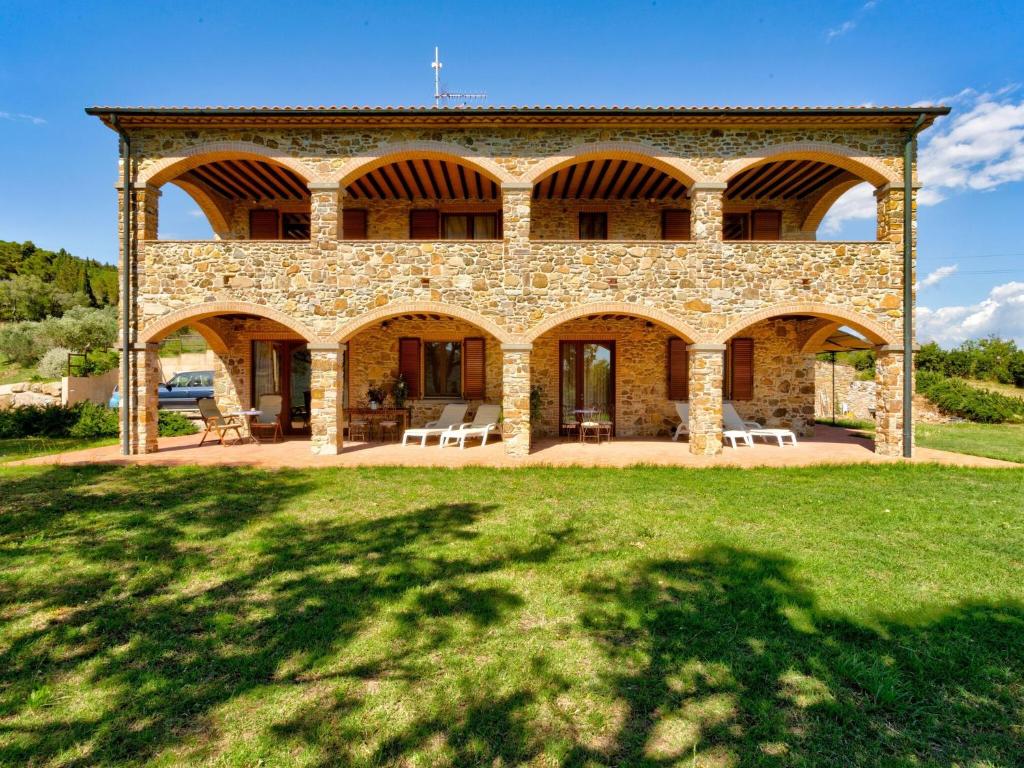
(54, 363)
(85, 420)
(94, 421)
(100, 361)
(930, 357)
(19, 343)
(173, 424)
(958, 398)
(1016, 368)
(82, 328)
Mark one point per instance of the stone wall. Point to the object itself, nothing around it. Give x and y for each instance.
(857, 395)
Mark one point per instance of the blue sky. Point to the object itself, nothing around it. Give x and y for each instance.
(59, 165)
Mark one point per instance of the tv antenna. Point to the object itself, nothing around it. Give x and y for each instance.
(443, 95)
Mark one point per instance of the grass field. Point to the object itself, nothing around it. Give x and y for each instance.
(1004, 389)
(849, 616)
(27, 447)
(996, 441)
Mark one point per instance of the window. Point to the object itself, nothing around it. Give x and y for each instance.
(295, 226)
(678, 370)
(353, 223)
(263, 224)
(735, 226)
(593, 225)
(742, 369)
(442, 369)
(469, 226)
(423, 224)
(766, 225)
(675, 224)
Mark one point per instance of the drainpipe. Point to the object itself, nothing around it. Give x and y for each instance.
(909, 151)
(125, 147)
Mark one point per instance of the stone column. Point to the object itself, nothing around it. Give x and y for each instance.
(327, 363)
(889, 400)
(707, 369)
(515, 398)
(706, 211)
(890, 212)
(515, 213)
(143, 398)
(147, 211)
(324, 214)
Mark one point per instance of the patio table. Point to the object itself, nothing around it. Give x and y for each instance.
(248, 415)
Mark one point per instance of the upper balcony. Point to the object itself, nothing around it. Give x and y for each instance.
(599, 202)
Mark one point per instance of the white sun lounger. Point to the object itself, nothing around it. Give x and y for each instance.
(451, 416)
(683, 428)
(732, 422)
(485, 422)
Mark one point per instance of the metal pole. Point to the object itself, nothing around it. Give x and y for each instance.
(125, 147)
(909, 150)
(833, 354)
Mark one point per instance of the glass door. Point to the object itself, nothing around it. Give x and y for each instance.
(587, 381)
(283, 368)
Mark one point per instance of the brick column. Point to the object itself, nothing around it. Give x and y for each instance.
(324, 214)
(889, 400)
(142, 398)
(327, 363)
(707, 369)
(706, 211)
(515, 398)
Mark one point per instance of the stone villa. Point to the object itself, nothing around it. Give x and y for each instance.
(612, 258)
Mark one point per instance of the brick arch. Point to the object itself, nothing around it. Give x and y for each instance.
(172, 321)
(356, 167)
(169, 167)
(653, 314)
(616, 150)
(872, 329)
(868, 168)
(209, 207)
(357, 324)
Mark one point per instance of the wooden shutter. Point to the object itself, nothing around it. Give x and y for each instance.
(353, 224)
(675, 224)
(263, 224)
(424, 224)
(742, 369)
(473, 369)
(766, 225)
(678, 370)
(409, 364)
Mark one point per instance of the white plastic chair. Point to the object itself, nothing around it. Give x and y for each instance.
(451, 416)
(733, 423)
(485, 422)
(683, 412)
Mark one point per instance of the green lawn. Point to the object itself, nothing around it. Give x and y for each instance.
(853, 616)
(997, 441)
(27, 447)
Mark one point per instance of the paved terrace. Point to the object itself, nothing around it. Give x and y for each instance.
(831, 445)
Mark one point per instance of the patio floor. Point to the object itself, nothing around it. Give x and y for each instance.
(830, 445)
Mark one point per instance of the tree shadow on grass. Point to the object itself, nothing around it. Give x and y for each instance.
(188, 589)
(724, 659)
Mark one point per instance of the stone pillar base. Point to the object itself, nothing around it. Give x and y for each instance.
(707, 368)
(326, 418)
(515, 398)
(143, 398)
(889, 401)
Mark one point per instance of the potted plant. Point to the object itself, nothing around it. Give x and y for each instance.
(375, 395)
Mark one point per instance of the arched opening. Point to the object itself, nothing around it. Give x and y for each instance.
(242, 196)
(611, 197)
(771, 374)
(250, 352)
(785, 199)
(421, 197)
(620, 363)
(418, 360)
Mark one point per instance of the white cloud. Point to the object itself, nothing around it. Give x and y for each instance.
(979, 147)
(21, 117)
(196, 213)
(936, 277)
(1000, 313)
(858, 203)
(841, 30)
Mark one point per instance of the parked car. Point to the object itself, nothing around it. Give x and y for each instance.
(180, 393)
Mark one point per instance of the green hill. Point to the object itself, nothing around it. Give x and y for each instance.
(35, 282)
